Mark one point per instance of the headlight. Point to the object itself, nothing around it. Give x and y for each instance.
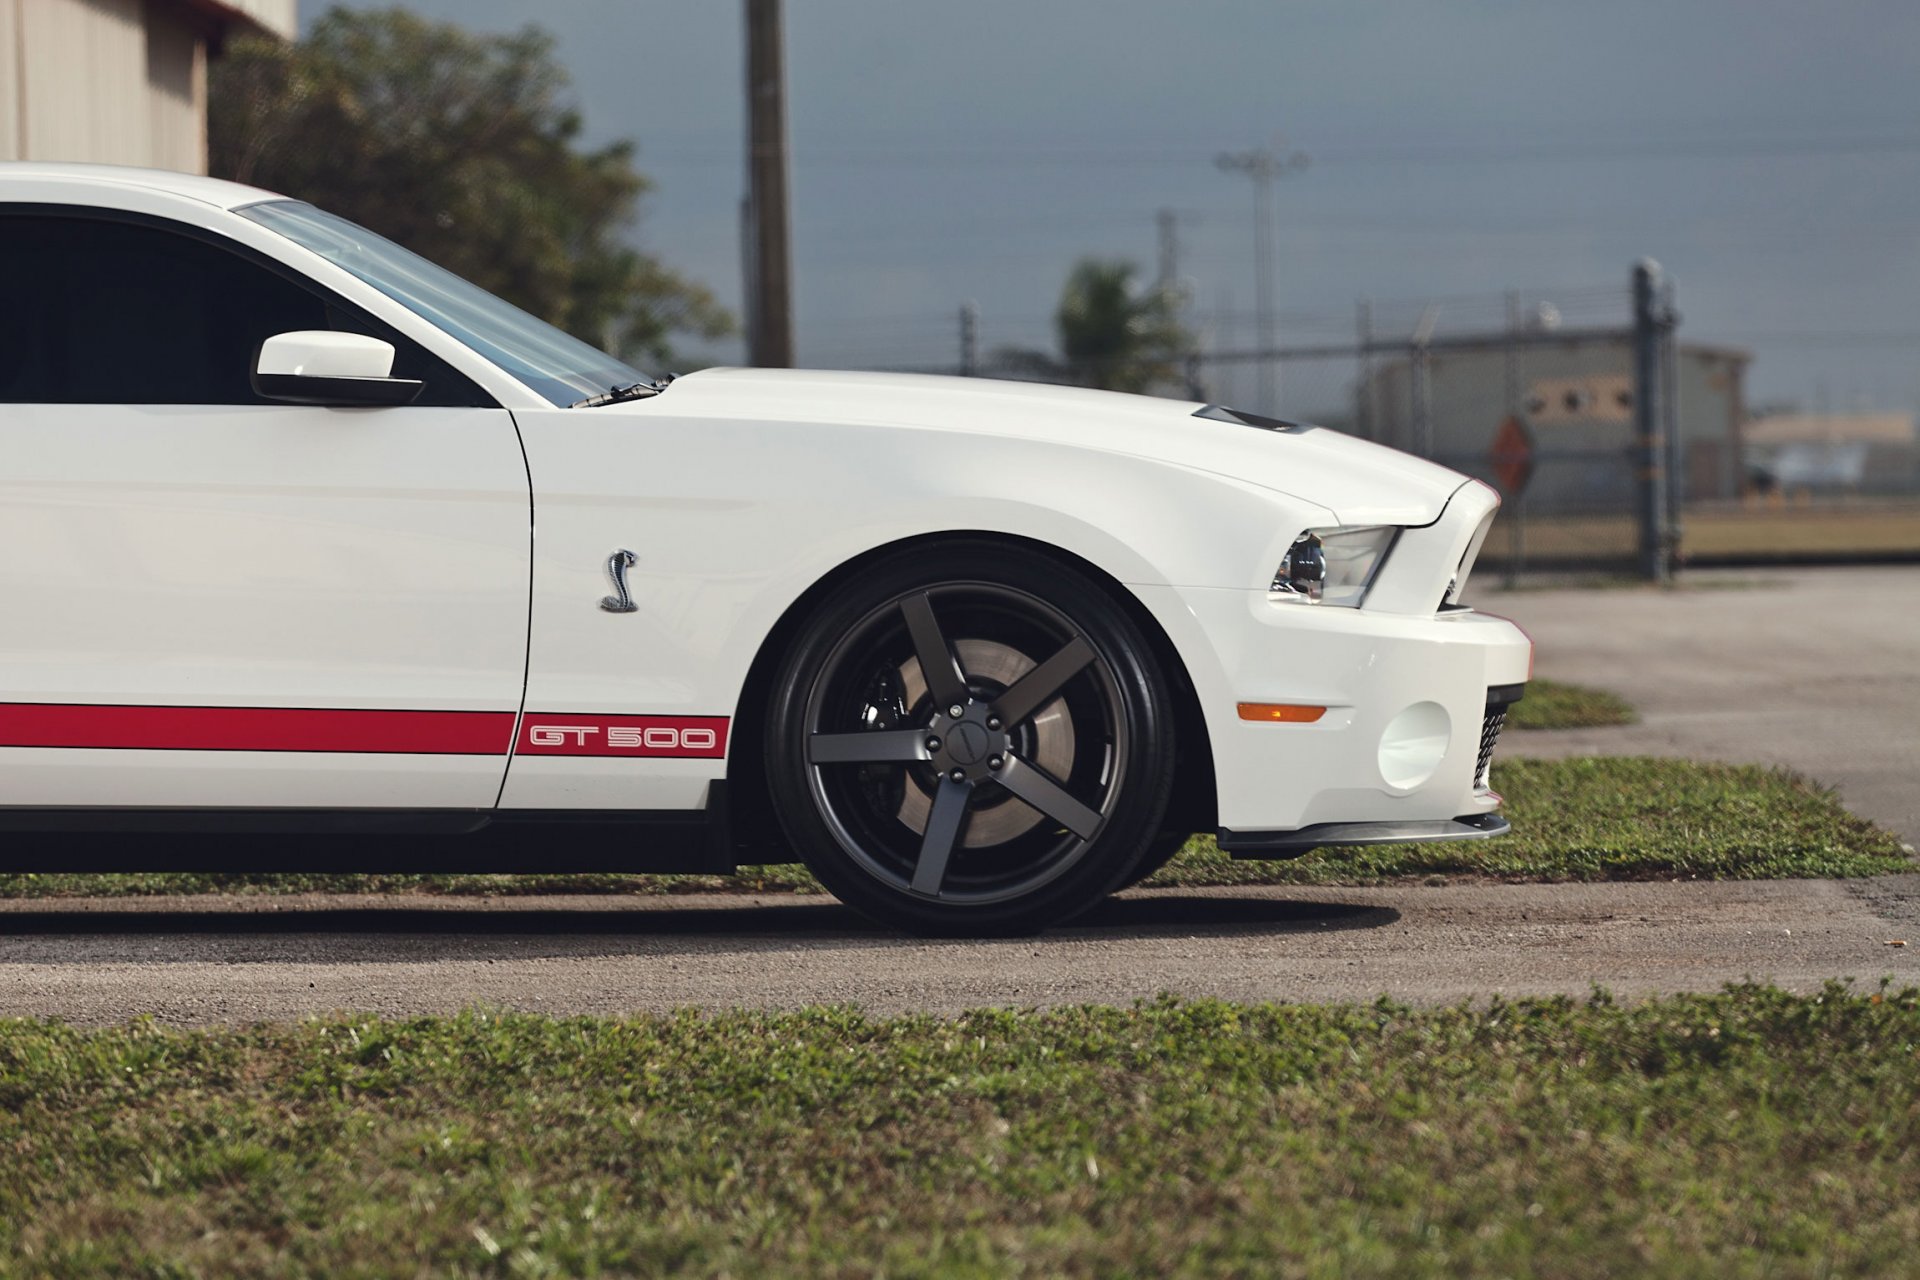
(1333, 566)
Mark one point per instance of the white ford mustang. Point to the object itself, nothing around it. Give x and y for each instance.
(301, 535)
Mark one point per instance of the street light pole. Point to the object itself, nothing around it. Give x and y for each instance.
(1263, 166)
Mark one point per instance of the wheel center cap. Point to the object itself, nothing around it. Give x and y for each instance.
(968, 743)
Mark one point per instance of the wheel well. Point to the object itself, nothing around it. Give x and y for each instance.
(756, 833)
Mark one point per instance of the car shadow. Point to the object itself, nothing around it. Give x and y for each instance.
(355, 934)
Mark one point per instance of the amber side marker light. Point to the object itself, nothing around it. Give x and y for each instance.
(1280, 712)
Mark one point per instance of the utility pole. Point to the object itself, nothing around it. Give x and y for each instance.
(1263, 166)
(769, 280)
(1177, 294)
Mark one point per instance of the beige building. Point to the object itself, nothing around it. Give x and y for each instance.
(1575, 394)
(118, 81)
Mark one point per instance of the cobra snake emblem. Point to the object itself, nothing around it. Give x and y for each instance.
(617, 565)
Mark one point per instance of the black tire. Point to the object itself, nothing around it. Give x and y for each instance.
(1160, 851)
(1032, 820)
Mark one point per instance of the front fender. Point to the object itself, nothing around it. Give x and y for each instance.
(732, 522)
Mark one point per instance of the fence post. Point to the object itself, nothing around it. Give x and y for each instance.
(1422, 371)
(1677, 468)
(969, 339)
(1363, 315)
(1517, 516)
(1650, 478)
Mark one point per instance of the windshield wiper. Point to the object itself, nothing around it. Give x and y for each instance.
(616, 395)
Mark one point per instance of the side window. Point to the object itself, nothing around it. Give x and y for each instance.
(96, 311)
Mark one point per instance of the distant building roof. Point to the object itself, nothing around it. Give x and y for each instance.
(119, 81)
(274, 17)
(1830, 428)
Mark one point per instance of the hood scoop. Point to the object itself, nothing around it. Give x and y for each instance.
(1241, 418)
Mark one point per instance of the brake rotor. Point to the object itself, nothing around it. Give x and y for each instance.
(996, 816)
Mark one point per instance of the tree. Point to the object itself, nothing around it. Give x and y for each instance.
(1111, 335)
(460, 147)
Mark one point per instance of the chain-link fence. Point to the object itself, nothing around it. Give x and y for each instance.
(1617, 447)
(1538, 395)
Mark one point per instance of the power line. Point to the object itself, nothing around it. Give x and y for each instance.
(1521, 153)
(1831, 337)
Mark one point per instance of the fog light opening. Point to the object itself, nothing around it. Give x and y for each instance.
(1413, 745)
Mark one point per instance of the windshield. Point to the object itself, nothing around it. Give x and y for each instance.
(555, 364)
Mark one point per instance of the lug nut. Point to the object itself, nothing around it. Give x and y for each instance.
(958, 775)
(956, 711)
(994, 762)
(933, 744)
(993, 723)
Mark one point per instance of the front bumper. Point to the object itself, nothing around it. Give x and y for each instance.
(1400, 742)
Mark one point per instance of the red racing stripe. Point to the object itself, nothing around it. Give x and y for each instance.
(437, 733)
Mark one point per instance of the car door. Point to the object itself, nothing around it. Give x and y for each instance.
(210, 600)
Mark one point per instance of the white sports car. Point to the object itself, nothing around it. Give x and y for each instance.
(301, 535)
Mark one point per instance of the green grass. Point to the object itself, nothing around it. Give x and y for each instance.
(1589, 818)
(1609, 818)
(1549, 704)
(1746, 1133)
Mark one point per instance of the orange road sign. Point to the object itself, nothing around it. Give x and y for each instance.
(1512, 456)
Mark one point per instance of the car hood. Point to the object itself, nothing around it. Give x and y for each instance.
(1360, 482)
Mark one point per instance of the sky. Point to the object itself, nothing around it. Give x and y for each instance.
(1766, 153)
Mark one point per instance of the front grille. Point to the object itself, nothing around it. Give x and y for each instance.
(1490, 727)
(1500, 700)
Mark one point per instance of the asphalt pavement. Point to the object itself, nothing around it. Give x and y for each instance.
(1814, 668)
(249, 959)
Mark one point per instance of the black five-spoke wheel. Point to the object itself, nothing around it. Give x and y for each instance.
(971, 738)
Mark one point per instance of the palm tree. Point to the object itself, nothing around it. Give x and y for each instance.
(1111, 335)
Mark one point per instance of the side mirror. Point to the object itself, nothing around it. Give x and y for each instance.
(318, 366)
